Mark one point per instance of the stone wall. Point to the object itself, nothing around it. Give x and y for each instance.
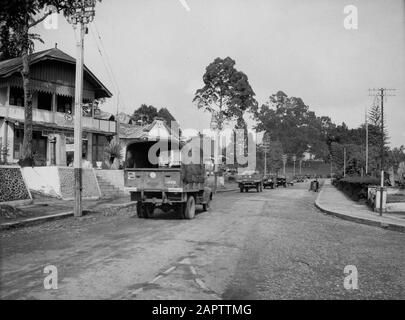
(12, 185)
(90, 188)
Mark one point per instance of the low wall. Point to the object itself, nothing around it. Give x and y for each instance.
(90, 188)
(59, 182)
(12, 185)
(44, 180)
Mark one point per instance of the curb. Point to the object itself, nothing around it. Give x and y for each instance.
(107, 211)
(370, 222)
(227, 190)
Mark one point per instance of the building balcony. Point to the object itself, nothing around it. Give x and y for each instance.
(57, 119)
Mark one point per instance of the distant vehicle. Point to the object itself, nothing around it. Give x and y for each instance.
(299, 178)
(269, 181)
(250, 180)
(281, 182)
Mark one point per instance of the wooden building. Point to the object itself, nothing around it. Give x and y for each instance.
(52, 80)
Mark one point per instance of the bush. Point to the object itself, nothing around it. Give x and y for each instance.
(355, 187)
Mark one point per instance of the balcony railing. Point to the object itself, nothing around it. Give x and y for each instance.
(57, 118)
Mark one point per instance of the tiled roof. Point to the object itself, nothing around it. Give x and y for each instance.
(8, 67)
(128, 131)
(131, 131)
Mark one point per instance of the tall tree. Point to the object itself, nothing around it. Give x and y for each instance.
(145, 114)
(226, 93)
(170, 120)
(18, 18)
(290, 121)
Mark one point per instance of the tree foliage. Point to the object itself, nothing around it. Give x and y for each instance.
(226, 93)
(289, 121)
(145, 114)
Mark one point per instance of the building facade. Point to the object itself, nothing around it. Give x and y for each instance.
(52, 83)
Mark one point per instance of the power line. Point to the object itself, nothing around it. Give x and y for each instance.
(107, 64)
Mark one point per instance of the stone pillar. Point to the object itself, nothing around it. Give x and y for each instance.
(10, 140)
(377, 199)
(90, 147)
(60, 152)
(53, 106)
(51, 153)
(8, 96)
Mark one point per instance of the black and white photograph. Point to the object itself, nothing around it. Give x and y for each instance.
(201, 155)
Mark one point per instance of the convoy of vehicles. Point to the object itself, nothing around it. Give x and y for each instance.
(169, 184)
(250, 180)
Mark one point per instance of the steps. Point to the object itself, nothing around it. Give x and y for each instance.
(108, 190)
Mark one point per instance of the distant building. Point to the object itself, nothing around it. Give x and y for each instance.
(125, 118)
(130, 136)
(52, 74)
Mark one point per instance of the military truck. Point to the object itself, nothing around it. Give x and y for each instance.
(250, 179)
(169, 184)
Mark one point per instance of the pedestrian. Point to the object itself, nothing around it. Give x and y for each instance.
(316, 185)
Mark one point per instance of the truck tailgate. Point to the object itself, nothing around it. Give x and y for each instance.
(152, 179)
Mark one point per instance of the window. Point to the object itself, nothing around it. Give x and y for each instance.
(99, 143)
(44, 101)
(16, 96)
(64, 104)
(39, 146)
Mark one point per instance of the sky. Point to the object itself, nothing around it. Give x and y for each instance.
(159, 49)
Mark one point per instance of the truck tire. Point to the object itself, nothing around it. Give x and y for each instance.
(258, 188)
(189, 208)
(148, 209)
(241, 189)
(140, 209)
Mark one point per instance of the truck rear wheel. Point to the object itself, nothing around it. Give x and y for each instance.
(189, 208)
(144, 210)
(148, 210)
(140, 209)
(241, 189)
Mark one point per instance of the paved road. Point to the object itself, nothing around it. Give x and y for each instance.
(269, 245)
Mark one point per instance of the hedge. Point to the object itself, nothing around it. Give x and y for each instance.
(355, 187)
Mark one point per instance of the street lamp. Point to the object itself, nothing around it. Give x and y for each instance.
(294, 158)
(81, 13)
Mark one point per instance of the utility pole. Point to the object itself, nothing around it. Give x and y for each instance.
(82, 13)
(78, 124)
(284, 158)
(382, 92)
(294, 158)
(366, 123)
(300, 166)
(266, 147)
(331, 167)
(344, 161)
